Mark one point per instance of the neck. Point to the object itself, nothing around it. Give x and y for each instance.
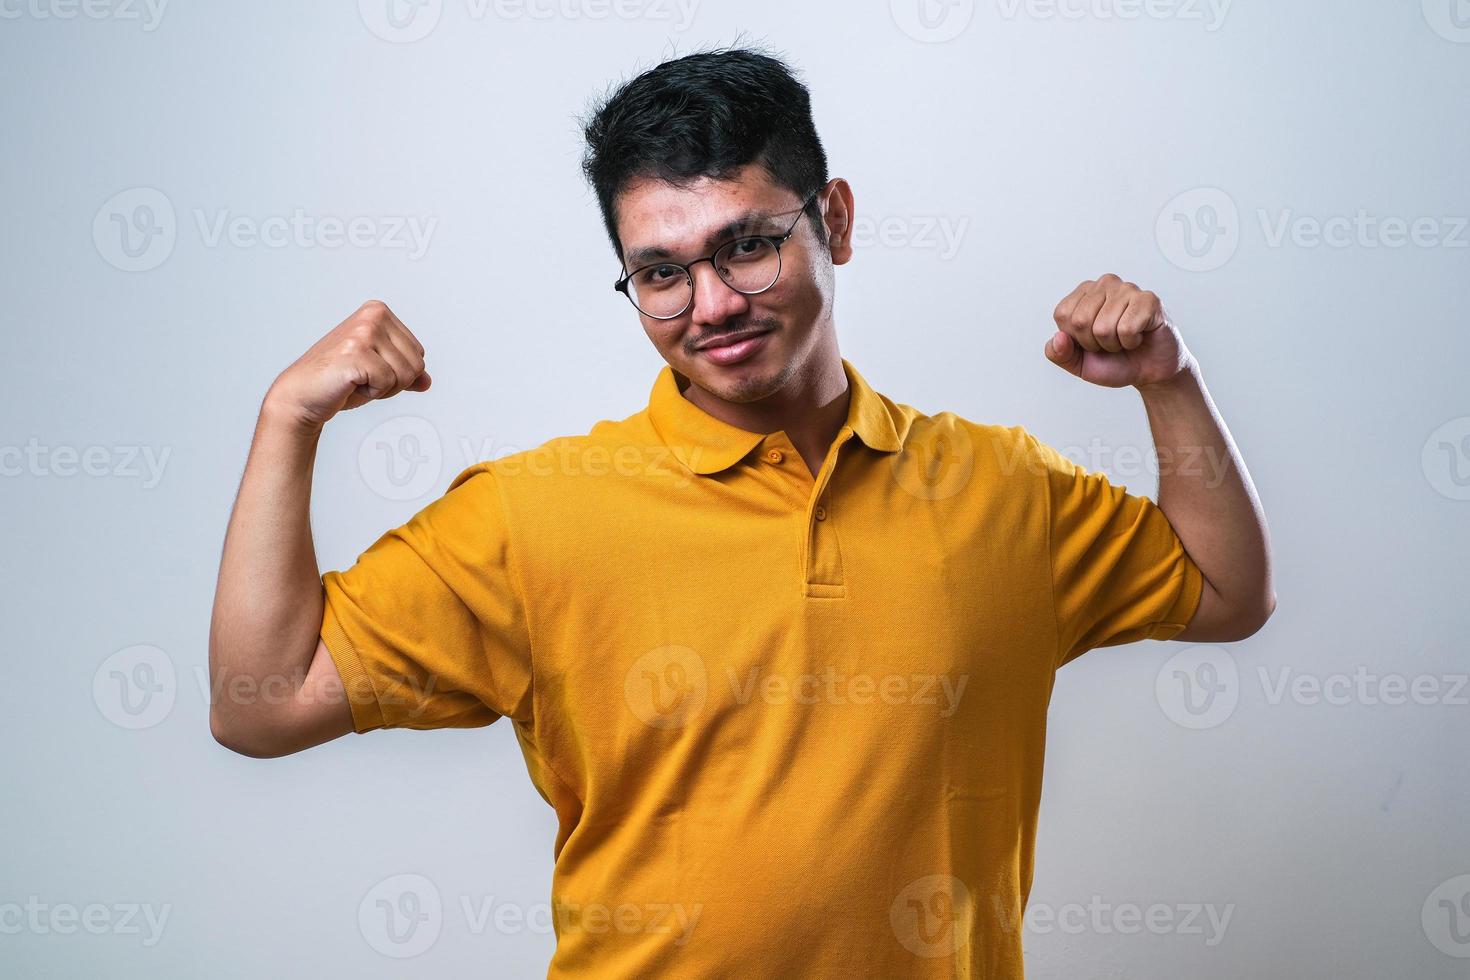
(810, 408)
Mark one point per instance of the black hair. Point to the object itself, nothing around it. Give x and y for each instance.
(705, 115)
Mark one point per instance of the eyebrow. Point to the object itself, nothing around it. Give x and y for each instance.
(736, 227)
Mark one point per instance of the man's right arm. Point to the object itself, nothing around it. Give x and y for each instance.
(275, 687)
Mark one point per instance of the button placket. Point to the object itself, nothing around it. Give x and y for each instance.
(823, 552)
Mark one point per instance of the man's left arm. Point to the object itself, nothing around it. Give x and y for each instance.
(1114, 334)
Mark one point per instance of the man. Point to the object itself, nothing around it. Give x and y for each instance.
(777, 649)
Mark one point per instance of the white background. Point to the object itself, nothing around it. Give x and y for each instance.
(1054, 141)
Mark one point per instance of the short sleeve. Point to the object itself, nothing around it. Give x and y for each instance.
(428, 627)
(1119, 571)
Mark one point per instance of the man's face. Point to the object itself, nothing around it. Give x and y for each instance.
(737, 347)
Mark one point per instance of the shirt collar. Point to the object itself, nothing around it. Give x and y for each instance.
(707, 445)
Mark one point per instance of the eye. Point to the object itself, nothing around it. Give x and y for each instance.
(658, 275)
(748, 248)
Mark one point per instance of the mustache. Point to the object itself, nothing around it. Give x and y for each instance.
(728, 329)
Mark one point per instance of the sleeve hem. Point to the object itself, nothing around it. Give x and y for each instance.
(367, 713)
(1176, 621)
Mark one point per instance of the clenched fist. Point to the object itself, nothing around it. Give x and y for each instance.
(368, 356)
(1114, 334)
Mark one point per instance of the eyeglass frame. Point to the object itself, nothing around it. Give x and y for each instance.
(776, 241)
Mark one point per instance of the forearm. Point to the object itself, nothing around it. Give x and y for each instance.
(268, 601)
(1206, 492)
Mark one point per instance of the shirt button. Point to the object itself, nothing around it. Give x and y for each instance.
(821, 513)
(775, 456)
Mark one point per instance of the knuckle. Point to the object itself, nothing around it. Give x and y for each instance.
(1080, 320)
(365, 330)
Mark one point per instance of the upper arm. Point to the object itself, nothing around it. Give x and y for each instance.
(320, 710)
(1215, 621)
(280, 722)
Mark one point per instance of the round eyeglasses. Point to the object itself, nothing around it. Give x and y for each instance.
(749, 265)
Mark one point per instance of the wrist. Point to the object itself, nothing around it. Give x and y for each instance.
(1188, 380)
(278, 415)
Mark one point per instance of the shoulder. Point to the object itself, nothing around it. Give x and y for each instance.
(999, 449)
(568, 467)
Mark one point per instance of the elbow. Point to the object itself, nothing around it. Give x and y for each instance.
(237, 721)
(242, 739)
(1249, 623)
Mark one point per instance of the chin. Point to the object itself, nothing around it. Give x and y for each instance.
(741, 383)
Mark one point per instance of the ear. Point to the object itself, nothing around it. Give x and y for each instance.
(838, 220)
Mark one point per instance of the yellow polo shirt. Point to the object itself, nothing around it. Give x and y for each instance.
(791, 726)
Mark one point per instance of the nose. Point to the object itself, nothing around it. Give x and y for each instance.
(714, 300)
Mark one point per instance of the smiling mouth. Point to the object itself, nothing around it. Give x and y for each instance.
(734, 348)
(730, 340)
